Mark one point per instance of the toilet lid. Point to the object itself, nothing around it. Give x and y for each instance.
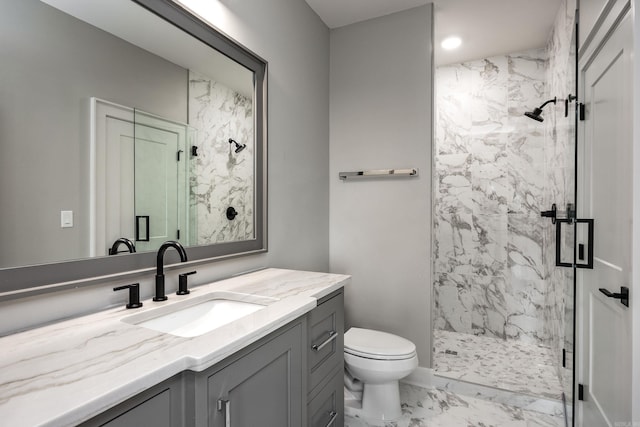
(377, 345)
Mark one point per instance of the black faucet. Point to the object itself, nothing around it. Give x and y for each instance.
(160, 296)
(122, 241)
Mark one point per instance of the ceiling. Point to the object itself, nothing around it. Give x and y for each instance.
(487, 27)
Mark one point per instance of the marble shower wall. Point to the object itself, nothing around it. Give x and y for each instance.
(559, 189)
(490, 169)
(221, 178)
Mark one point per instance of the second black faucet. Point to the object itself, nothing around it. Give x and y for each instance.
(160, 294)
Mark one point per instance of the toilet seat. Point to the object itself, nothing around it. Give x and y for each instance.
(377, 345)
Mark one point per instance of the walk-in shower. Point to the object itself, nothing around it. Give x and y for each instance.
(503, 314)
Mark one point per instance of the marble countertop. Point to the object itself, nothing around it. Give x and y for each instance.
(67, 372)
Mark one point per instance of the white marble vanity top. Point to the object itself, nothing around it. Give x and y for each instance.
(67, 372)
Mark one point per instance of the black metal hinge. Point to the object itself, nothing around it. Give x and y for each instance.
(580, 392)
(564, 358)
(581, 111)
(178, 235)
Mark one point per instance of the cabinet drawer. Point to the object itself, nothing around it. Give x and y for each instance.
(325, 339)
(326, 409)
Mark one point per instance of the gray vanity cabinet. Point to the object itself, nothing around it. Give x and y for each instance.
(325, 353)
(291, 378)
(262, 388)
(160, 406)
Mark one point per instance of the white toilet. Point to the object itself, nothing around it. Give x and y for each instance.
(374, 363)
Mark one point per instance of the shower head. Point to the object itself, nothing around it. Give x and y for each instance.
(239, 147)
(536, 113)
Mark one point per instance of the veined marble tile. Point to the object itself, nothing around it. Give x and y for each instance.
(526, 301)
(559, 156)
(222, 178)
(489, 312)
(556, 154)
(489, 81)
(525, 247)
(531, 403)
(505, 364)
(454, 302)
(454, 243)
(489, 174)
(453, 190)
(526, 178)
(527, 82)
(490, 252)
(555, 188)
(500, 169)
(423, 407)
(453, 116)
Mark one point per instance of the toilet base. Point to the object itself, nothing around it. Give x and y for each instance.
(382, 401)
(382, 405)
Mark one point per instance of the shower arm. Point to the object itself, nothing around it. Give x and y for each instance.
(554, 100)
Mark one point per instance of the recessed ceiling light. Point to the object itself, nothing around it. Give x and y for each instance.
(451, 43)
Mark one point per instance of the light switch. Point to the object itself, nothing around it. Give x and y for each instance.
(66, 219)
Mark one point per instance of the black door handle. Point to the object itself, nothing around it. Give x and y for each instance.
(623, 296)
(146, 222)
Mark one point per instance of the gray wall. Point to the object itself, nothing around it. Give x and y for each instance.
(294, 41)
(381, 117)
(51, 65)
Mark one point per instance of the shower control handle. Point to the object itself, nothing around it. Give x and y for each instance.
(550, 214)
(231, 213)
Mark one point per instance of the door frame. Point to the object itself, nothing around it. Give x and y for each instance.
(635, 238)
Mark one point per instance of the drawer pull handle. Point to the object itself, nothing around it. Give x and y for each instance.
(333, 415)
(332, 336)
(226, 406)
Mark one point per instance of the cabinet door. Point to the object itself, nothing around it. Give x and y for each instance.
(159, 406)
(263, 388)
(326, 409)
(154, 412)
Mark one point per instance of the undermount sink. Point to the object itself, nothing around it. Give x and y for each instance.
(201, 314)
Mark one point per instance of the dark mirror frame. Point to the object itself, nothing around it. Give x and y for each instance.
(18, 282)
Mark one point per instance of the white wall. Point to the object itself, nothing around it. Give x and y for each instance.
(295, 43)
(381, 117)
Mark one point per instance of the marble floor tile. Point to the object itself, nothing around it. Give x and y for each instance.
(492, 394)
(505, 364)
(423, 407)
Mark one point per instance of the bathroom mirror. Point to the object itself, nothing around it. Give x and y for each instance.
(124, 118)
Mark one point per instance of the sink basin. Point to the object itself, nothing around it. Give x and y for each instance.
(200, 315)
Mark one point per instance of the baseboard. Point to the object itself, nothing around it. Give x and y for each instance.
(421, 377)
